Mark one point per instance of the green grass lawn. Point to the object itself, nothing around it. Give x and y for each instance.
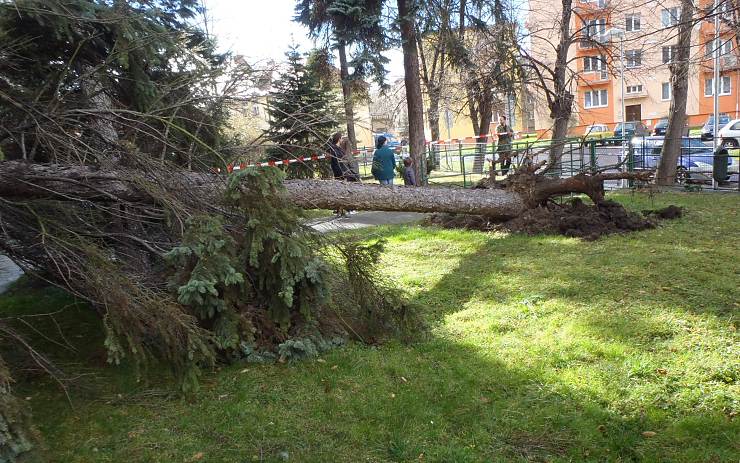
(537, 349)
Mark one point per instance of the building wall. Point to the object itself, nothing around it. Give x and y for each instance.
(651, 74)
(363, 125)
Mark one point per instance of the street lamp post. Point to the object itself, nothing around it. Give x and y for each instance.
(609, 35)
(716, 83)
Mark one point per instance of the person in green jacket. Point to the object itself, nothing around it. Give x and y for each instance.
(384, 162)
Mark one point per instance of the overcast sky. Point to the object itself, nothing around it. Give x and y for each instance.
(263, 29)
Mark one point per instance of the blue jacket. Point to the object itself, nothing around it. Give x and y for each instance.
(385, 161)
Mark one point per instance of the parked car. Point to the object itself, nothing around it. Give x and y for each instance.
(694, 163)
(392, 142)
(729, 135)
(598, 132)
(707, 132)
(627, 130)
(661, 127)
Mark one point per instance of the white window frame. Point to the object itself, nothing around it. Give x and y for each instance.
(725, 47)
(631, 55)
(629, 22)
(668, 18)
(632, 89)
(672, 51)
(603, 97)
(598, 25)
(599, 61)
(670, 91)
(723, 89)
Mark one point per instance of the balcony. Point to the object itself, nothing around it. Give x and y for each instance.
(591, 5)
(589, 78)
(634, 95)
(587, 43)
(728, 62)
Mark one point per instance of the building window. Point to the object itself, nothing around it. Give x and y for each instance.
(670, 16)
(633, 58)
(634, 88)
(724, 86)
(596, 99)
(594, 63)
(665, 91)
(724, 47)
(594, 27)
(669, 54)
(632, 22)
(255, 109)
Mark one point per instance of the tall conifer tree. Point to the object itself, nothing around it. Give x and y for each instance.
(303, 114)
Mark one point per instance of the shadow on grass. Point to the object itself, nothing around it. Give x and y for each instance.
(502, 375)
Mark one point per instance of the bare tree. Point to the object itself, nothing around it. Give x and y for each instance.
(433, 41)
(666, 173)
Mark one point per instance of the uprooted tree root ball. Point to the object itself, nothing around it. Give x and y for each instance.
(575, 219)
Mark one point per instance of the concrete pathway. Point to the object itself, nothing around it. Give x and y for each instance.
(9, 272)
(364, 219)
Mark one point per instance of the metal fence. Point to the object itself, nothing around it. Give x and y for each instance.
(464, 164)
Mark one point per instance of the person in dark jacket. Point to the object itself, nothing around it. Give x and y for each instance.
(409, 176)
(503, 148)
(336, 156)
(384, 162)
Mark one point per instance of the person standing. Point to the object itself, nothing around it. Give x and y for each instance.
(349, 164)
(409, 176)
(503, 148)
(384, 162)
(336, 156)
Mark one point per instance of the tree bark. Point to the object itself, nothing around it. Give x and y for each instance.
(666, 173)
(349, 111)
(20, 181)
(433, 113)
(330, 194)
(561, 106)
(99, 100)
(414, 101)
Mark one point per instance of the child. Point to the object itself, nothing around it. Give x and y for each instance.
(409, 176)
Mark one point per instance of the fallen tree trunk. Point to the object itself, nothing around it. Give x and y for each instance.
(311, 194)
(500, 201)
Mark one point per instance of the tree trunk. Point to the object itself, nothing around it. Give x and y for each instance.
(414, 101)
(433, 113)
(473, 113)
(331, 194)
(349, 111)
(666, 173)
(21, 181)
(100, 101)
(561, 106)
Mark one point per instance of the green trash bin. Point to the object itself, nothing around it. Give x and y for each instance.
(719, 169)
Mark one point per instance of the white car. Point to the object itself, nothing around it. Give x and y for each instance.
(729, 135)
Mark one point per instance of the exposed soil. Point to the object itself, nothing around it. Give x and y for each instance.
(576, 219)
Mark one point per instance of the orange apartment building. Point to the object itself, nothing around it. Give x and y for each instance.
(649, 46)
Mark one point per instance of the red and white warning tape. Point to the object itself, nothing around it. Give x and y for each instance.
(243, 165)
(315, 157)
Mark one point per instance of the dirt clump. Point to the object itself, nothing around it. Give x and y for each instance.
(670, 212)
(575, 219)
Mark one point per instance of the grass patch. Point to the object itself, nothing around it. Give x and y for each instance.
(539, 349)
